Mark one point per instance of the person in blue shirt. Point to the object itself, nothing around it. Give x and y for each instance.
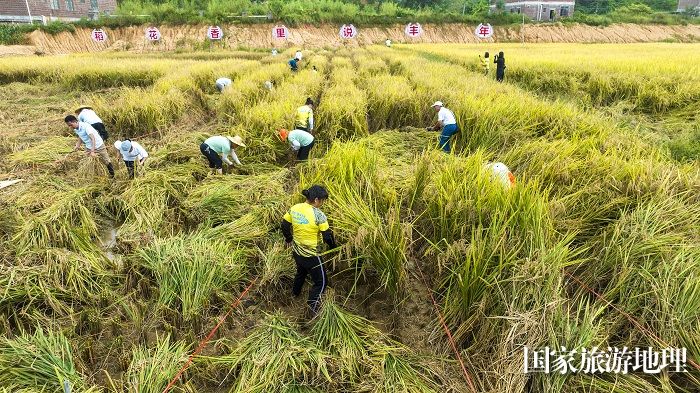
(294, 64)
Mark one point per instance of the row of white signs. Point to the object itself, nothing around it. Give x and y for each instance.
(281, 32)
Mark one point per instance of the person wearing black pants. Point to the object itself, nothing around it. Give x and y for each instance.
(299, 140)
(213, 157)
(500, 66)
(300, 226)
(87, 115)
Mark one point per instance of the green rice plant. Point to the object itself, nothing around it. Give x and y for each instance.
(289, 358)
(151, 369)
(247, 229)
(396, 372)
(276, 262)
(191, 270)
(223, 199)
(42, 361)
(137, 111)
(349, 338)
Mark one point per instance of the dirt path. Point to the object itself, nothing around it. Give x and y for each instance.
(260, 36)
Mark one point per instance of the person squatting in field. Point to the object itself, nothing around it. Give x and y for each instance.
(304, 119)
(294, 64)
(217, 149)
(300, 141)
(131, 151)
(88, 136)
(87, 115)
(222, 83)
(445, 121)
(301, 226)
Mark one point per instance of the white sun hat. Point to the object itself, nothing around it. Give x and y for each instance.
(437, 103)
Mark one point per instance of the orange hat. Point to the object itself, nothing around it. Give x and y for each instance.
(283, 134)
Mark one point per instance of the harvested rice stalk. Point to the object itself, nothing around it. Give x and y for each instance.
(151, 369)
(40, 361)
(289, 359)
(190, 270)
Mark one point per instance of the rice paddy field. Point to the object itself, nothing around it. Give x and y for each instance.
(110, 285)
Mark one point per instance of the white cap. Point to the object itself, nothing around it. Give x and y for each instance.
(437, 103)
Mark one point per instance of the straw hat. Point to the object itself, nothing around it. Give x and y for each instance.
(282, 133)
(81, 107)
(437, 103)
(237, 140)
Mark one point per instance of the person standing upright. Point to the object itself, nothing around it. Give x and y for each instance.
(485, 63)
(500, 66)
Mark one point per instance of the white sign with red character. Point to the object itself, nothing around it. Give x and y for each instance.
(280, 32)
(413, 30)
(348, 32)
(153, 34)
(98, 35)
(215, 33)
(484, 31)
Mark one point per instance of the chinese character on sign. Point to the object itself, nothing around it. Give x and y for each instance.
(214, 33)
(413, 30)
(612, 360)
(280, 32)
(98, 35)
(348, 31)
(484, 31)
(152, 34)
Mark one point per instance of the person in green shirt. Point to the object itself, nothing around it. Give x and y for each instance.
(217, 149)
(300, 141)
(301, 226)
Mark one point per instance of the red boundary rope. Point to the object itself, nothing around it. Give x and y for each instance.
(446, 329)
(204, 342)
(644, 330)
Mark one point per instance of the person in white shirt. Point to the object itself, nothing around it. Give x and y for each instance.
(222, 83)
(87, 115)
(88, 136)
(297, 55)
(388, 43)
(447, 123)
(131, 152)
(300, 141)
(274, 52)
(501, 173)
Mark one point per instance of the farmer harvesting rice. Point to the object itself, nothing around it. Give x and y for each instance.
(94, 145)
(298, 55)
(501, 173)
(294, 64)
(300, 141)
(218, 148)
(305, 117)
(447, 122)
(387, 43)
(301, 226)
(222, 83)
(131, 152)
(87, 115)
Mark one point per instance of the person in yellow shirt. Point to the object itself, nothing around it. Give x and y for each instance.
(304, 119)
(301, 226)
(485, 63)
